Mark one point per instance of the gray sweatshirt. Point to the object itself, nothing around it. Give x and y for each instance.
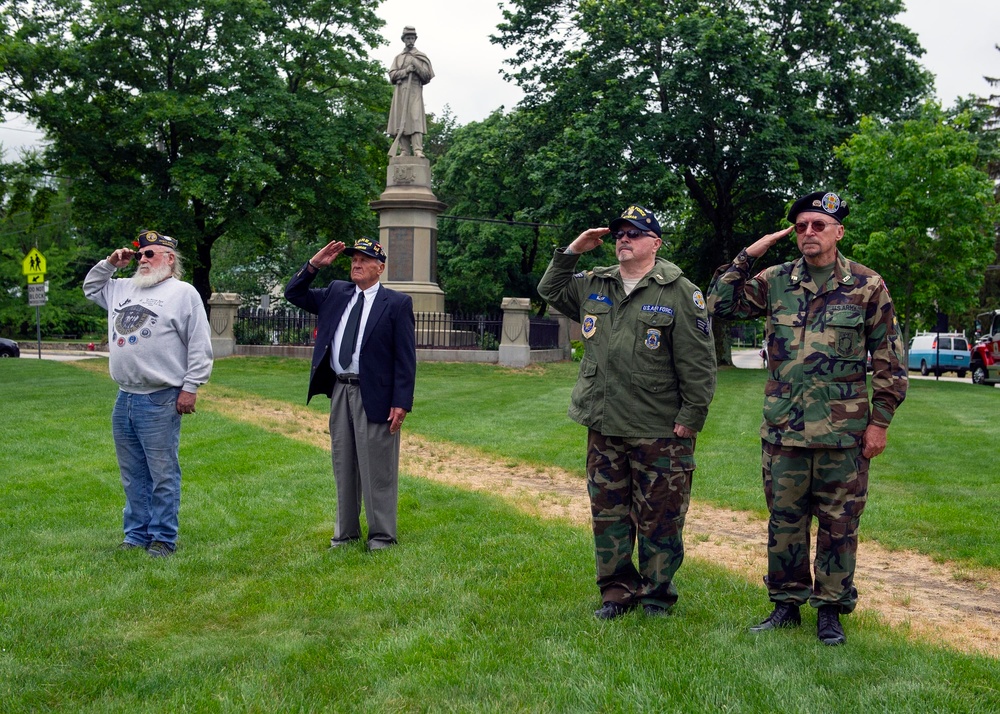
(158, 337)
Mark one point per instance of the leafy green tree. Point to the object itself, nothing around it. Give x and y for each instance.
(721, 110)
(741, 101)
(440, 131)
(989, 297)
(36, 212)
(203, 119)
(923, 213)
(483, 254)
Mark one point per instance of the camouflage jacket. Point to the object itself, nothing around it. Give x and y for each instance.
(649, 358)
(818, 338)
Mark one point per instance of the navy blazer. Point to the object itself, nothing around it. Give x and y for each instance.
(388, 356)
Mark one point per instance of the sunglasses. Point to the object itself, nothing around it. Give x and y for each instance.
(817, 226)
(631, 233)
(148, 253)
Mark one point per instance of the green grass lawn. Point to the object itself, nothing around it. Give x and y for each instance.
(934, 490)
(480, 608)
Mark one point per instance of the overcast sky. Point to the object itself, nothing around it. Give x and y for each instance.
(958, 36)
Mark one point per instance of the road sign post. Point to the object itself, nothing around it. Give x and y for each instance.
(33, 267)
(36, 295)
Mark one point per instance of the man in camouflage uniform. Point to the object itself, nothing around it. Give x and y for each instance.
(824, 315)
(646, 380)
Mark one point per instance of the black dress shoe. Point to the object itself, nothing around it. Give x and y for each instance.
(611, 610)
(828, 627)
(785, 614)
(334, 543)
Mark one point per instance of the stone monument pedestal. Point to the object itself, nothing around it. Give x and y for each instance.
(408, 212)
(222, 317)
(515, 349)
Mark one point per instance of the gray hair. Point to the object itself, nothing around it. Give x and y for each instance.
(178, 271)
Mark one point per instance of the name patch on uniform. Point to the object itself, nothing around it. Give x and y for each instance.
(701, 324)
(589, 326)
(653, 338)
(600, 298)
(699, 300)
(658, 308)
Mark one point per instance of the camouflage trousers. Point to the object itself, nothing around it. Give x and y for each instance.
(832, 485)
(638, 487)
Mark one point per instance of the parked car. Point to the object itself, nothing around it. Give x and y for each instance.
(986, 352)
(9, 348)
(938, 352)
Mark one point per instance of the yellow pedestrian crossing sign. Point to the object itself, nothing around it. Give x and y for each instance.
(34, 264)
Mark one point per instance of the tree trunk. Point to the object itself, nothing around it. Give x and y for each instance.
(723, 346)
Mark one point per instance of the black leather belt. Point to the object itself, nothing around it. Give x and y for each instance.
(349, 379)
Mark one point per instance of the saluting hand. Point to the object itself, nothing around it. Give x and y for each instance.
(121, 257)
(764, 244)
(588, 240)
(327, 254)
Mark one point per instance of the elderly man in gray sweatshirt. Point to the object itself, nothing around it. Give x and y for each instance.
(160, 353)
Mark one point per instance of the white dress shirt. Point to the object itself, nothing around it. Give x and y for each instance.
(370, 294)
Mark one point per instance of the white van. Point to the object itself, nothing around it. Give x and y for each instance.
(937, 352)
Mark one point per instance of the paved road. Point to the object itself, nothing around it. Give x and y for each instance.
(750, 359)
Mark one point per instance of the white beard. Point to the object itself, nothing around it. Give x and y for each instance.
(153, 277)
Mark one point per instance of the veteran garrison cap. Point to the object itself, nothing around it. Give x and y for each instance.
(639, 217)
(149, 238)
(366, 246)
(822, 202)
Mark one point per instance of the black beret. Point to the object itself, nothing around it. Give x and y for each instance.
(822, 202)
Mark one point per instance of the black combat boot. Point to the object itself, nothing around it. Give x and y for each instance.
(785, 614)
(612, 610)
(828, 627)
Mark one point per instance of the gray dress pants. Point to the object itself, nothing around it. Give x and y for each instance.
(365, 468)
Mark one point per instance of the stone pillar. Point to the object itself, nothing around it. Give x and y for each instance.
(564, 325)
(222, 318)
(515, 350)
(408, 212)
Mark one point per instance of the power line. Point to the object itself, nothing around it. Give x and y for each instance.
(25, 131)
(498, 220)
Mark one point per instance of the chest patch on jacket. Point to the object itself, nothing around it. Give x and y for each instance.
(589, 326)
(658, 308)
(653, 338)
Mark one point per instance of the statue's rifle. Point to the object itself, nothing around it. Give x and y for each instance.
(405, 110)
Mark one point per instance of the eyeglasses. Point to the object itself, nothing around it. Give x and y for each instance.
(631, 233)
(148, 253)
(817, 226)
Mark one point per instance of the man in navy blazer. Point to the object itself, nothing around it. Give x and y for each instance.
(365, 360)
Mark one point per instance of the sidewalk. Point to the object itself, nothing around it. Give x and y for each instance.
(30, 351)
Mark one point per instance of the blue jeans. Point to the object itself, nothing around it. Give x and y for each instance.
(147, 432)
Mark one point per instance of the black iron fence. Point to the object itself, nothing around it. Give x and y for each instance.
(544, 333)
(458, 331)
(291, 326)
(282, 326)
